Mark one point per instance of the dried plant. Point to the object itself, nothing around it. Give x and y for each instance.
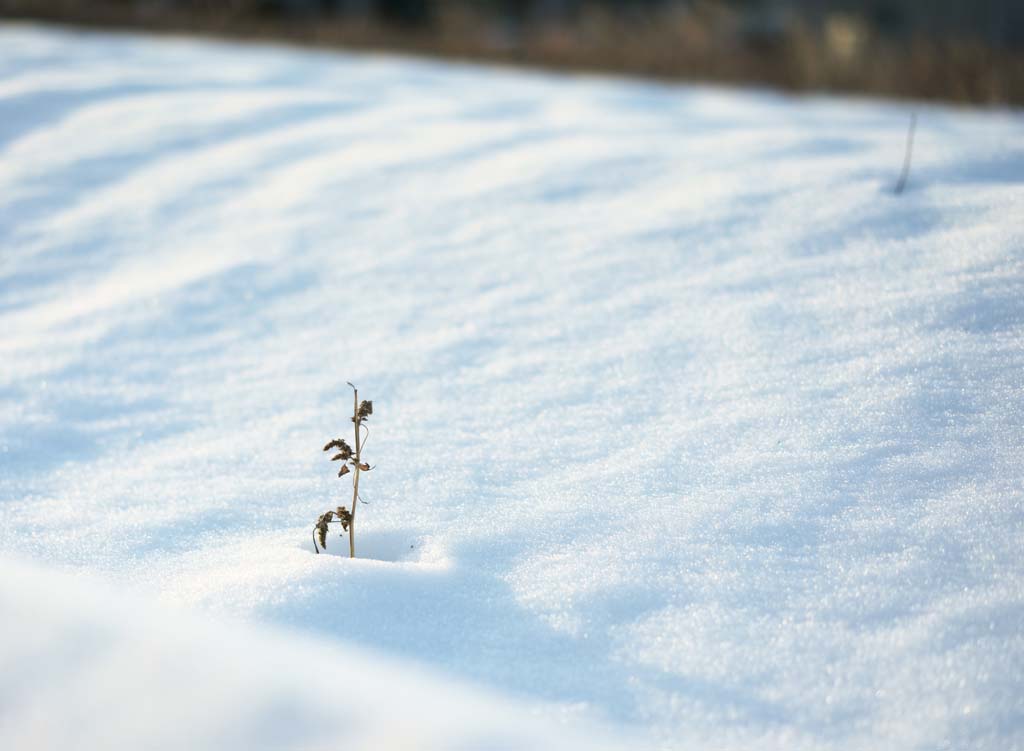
(907, 154)
(351, 462)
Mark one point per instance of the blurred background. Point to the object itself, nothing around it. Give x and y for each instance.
(953, 50)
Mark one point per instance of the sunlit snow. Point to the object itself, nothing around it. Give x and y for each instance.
(684, 424)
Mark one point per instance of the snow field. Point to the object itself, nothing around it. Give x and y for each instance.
(684, 424)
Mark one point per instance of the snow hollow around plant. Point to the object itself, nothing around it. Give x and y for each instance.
(684, 425)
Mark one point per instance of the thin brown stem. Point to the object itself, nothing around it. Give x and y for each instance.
(355, 476)
(908, 154)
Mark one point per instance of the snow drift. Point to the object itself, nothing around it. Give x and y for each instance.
(84, 668)
(684, 422)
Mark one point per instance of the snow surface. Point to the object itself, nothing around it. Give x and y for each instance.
(88, 669)
(684, 423)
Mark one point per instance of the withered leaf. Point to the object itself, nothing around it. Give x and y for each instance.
(344, 450)
(321, 527)
(343, 471)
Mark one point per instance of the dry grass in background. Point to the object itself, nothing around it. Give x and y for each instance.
(708, 41)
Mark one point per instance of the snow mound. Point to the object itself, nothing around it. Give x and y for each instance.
(82, 667)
